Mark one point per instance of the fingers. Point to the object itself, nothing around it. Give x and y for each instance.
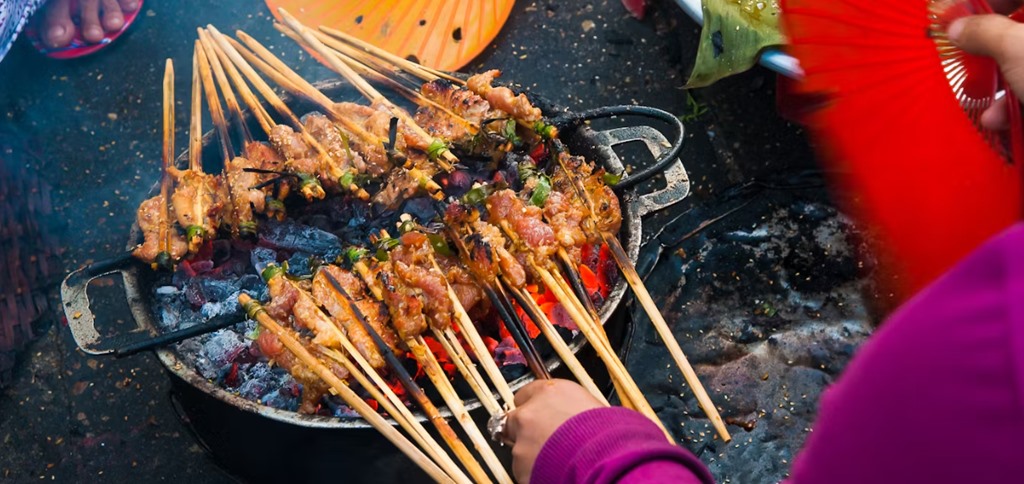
(996, 117)
(92, 31)
(994, 36)
(531, 389)
(113, 19)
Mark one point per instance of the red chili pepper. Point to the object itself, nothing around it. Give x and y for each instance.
(539, 152)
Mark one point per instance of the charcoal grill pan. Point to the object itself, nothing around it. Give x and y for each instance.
(260, 443)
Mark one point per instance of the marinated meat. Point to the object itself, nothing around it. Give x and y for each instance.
(412, 264)
(309, 316)
(289, 143)
(469, 292)
(149, 216)
(464, 102)
(328, 135)
(565, 219)
(502, 97)
(244, 199)
(525, 220)
(489, 247)
(282, 298)
(197, 201)
(404, 304)
(328, 297)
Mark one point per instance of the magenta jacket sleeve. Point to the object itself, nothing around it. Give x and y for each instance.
(937, 394)
(618, 445)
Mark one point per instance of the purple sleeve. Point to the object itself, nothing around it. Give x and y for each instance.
(614, 445)
(937, 394)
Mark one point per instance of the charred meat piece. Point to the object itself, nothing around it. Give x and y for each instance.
(467, 104)
(197, 201)
(328, 135)
(607, 210)
(244, 198)
(283, 297)
(326, 295)
(150, 218)
(503, 98)
(469, 292)
(566, 219)
(404, 303)
(413, 265)
(289, 143)
(525, 220)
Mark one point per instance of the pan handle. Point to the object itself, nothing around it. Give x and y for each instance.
(74, 292)
(677, 181)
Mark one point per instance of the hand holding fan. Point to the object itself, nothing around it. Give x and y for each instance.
(901, 116)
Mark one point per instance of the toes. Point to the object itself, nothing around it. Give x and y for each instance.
(57, 29)
(92, 31)
(128, 6)
(113, 19)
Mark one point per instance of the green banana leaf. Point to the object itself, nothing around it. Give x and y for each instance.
(734, 33)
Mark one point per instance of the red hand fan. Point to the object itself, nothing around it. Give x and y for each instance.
(898, 110)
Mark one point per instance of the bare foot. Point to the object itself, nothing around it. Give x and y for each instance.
(96, 18)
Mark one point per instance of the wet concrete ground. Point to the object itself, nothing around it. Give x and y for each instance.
(94, 124)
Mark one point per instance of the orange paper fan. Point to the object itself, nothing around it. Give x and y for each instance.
(443, 35)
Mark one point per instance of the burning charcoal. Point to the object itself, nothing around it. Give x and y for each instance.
(293, 236)
(421, 209)
(217, 290)
(218, 352)
(216, 308)
(508, 354)
(262, 257)
(300, 264)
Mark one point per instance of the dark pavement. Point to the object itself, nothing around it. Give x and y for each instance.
(94, 125)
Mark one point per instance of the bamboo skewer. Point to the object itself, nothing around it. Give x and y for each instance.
(561, 348)
(421, 71)
(277, 70)
(468, 371)
(483, 355)
(414, 391)
(195, 131)
(310, 186)
(373, 67)
(164, 258)
(615, 366)
(213, 101)
(667, 337)
(380, 391)
(268, 93)
(225, 63)
(436, 374)
(224, 84)
(256, 312)
(364, 87)
(450, 343)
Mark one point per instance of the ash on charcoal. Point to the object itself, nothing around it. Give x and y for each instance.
(767, 306)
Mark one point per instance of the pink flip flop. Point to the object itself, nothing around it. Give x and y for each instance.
(78, 47)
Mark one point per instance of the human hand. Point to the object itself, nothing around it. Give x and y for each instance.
(541, 407)
(1001, 38)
